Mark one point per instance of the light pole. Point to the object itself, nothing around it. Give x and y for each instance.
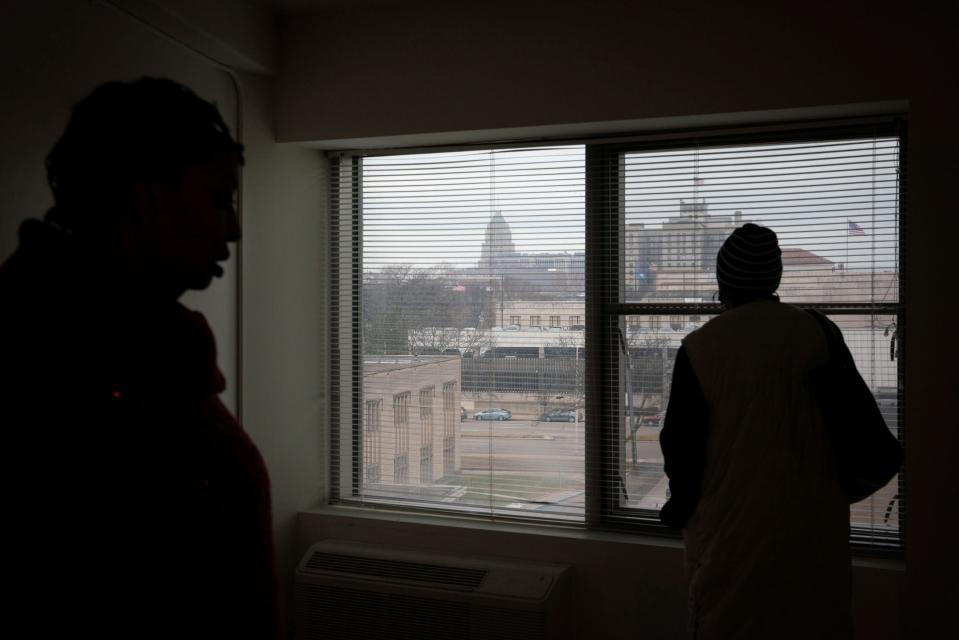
(577, 382)
(501, 298)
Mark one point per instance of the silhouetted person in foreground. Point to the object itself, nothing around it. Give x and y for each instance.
(752, 473)
(136, 506)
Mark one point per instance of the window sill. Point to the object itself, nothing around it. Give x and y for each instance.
(544, 530)
(617, 529)
(860, 558)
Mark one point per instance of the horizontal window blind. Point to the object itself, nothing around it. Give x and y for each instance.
(506, 320)
(467, 349)
(833, 204)
(662, 215)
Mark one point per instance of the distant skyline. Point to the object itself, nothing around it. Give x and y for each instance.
(432, 209)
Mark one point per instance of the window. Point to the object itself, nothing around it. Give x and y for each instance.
(426, 435)
(430, 248)
(401, 426)
(832, 196)
(433, 253)
(373, 441)
(449, 427)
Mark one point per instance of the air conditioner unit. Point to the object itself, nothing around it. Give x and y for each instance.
(347, 590)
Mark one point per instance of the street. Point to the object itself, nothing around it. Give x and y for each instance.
(545, 461)
(528, 445)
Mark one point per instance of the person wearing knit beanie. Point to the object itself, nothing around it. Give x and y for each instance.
(754, 480)
(749, 265)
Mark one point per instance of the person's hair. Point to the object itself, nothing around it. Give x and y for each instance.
(749, 265)
(122, 131)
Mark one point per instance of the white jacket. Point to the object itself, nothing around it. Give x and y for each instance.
(767, 553)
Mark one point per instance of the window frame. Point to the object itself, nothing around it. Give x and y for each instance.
(608, 309)
(603, 315)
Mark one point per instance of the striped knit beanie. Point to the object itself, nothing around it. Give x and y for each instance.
(750, 260)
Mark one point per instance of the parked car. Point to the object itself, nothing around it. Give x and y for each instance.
(559, 415)
(652, 420)
(493, 414)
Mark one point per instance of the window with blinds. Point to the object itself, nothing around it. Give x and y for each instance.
(470, 271)
(453, 272)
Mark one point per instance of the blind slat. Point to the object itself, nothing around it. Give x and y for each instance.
(461, 300)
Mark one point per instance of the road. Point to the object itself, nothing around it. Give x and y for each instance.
(527, 445)
(555, 449)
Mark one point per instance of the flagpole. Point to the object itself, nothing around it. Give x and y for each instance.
(845, 264)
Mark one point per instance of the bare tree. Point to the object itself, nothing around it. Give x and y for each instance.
(406, 307)
(574, 343)
(442, 339)
(652, 360)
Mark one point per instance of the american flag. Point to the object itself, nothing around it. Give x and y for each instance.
(854, 229)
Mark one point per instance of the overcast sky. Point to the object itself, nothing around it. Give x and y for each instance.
(433, 208)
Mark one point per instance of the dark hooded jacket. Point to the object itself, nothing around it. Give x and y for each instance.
(137, 505)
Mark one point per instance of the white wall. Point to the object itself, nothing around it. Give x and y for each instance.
(241, 34)
(454, 66)
(285, 388)
(393, 75)
(624, 586)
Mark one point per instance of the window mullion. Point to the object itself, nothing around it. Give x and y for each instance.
(602, 291)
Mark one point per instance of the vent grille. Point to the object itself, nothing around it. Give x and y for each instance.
(397, 570)
(350, 614)
(507, 624)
